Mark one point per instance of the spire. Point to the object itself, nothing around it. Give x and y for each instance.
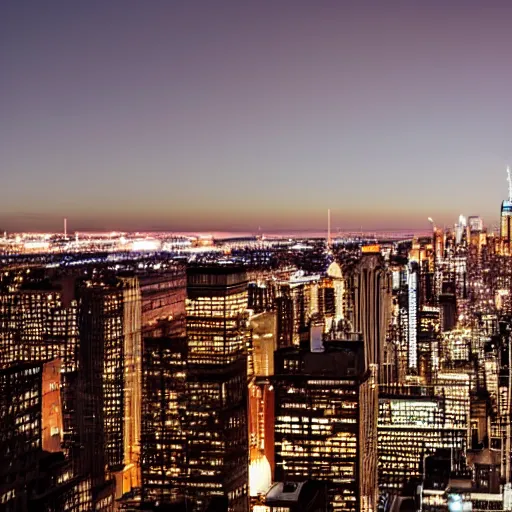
(329, 227)
(509, 184)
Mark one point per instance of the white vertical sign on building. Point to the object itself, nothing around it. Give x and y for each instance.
(413, 320)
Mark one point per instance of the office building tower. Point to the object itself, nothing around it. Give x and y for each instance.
(506, 213)
(439, 243)
(285, 309)
(332, 306)
(163, 294)
(326, 421)
(460, 230)
(163, 438)
(475, 224)
(429, 336)
(109, 383)
(448, 305)
(260, 296)
(456, 346)
(423, 260)
(455, 388)
(163, 431)
(34, 473)
(296, 303)
(413, 422)
(264, 329)
(399, 323)
(217, 423)
(38, 322)
(41, 319)
(373, 288)
(412, 314)
(499, 378)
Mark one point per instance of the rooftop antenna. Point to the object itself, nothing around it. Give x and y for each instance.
(509, 184)
(329, 227)
(65, 227)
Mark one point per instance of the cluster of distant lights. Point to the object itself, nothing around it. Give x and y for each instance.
(113, 241)
(37, 243)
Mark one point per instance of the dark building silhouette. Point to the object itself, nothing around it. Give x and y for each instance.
(308, 496)
(285, 321)
(448, 304)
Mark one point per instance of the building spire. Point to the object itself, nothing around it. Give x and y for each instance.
(509, 184)
(329, 227)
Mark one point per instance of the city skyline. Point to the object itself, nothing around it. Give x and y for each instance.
(255, 256)
(234, 117)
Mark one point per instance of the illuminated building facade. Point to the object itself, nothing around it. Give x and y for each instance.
(38, 322)
(413, 306)
(95, 326)
(373, 289)
(261, 403)
(429, 333)
(163, 432)
(332, 305)
(261, 296)
(34, 474)
(163, 442)
(326, 421)
(506, 214)
(297, 300)
(42, 318)
(506, 221)
(414, 422)
(499, 379)
(399, 323)
(261, 436)
(110, 380)
(163, 295)
(217, 416)
(264, 343)
(422, 260)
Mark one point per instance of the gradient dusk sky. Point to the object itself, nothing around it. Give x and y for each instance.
(229, 115)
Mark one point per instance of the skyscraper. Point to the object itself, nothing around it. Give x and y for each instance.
(163, 441)
(108, 401)
(217, 423)
(34, 474)
(326, 422)
(38, 322)
(413, 423)
(163, 431)
(297, 301)
(372, 313)
(506, 213)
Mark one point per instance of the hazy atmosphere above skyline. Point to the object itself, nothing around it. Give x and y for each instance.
(228, 115)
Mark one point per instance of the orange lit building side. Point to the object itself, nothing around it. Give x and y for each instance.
(51, 407)
(261, 423)
(371, 248)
